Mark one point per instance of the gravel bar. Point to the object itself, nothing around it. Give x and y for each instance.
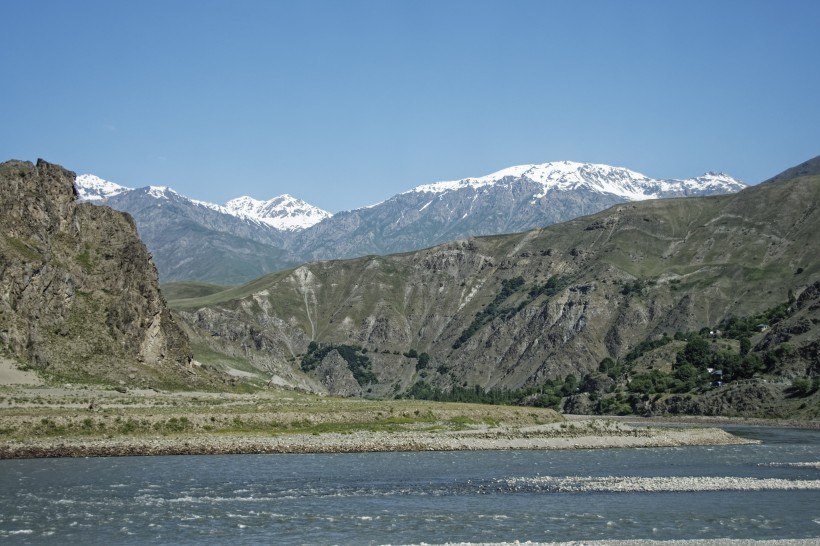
(583, 435)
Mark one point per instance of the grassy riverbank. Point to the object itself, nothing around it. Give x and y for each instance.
(95, 421)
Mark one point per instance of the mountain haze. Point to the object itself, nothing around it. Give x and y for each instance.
(195, 240)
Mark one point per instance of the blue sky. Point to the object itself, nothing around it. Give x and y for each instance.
(346, 103)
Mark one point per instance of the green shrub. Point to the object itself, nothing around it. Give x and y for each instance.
(802, 386)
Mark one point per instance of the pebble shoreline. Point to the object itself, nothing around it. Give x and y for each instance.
(551, 436)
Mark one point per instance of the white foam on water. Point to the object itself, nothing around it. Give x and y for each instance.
(793, 465)
(240, 516)
(644, 542)
(577, 484)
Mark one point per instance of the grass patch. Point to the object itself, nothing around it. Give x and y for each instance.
(187, 290)
(26, 251)
(86, 259)
(42, 413)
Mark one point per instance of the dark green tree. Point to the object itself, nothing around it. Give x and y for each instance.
(610, 367)
(696, 353)
(745, 345)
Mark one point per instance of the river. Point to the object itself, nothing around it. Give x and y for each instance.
(430, 497)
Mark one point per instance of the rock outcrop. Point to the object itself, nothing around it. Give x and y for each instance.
(79, 295)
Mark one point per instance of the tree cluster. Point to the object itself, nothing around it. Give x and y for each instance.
(548, 395)
(357, 361)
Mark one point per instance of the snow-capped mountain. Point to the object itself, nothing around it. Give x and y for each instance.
(572, 176)
(94, 188)
(510, 200)
(197, 240)
(285, 212)
(246, 237)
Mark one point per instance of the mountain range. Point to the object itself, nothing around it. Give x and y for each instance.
(283, 213)
(631, 309)
(516, 311)
(246, 238)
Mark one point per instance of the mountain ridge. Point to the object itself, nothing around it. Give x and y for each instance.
(565, 175)
(283, 212)
(560, 175)
(511, 200)
(503, 202)
(807, 168)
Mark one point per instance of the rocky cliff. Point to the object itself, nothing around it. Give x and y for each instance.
(79, 295)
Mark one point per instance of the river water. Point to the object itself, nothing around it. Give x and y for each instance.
(402, 498)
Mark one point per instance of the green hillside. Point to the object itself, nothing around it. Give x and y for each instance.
(513, 312)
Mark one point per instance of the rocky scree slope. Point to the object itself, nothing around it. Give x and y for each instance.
(513, 311)
(79, 296)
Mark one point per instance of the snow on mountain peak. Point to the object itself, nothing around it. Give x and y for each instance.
(570, 175)
(284, 212)
(244, 205)
(287, 213)
(718, 179)
(93, 188)
(161, 192)
(562, 175)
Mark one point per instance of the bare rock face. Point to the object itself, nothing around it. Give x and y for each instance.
(334, 374)
(79, 295)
